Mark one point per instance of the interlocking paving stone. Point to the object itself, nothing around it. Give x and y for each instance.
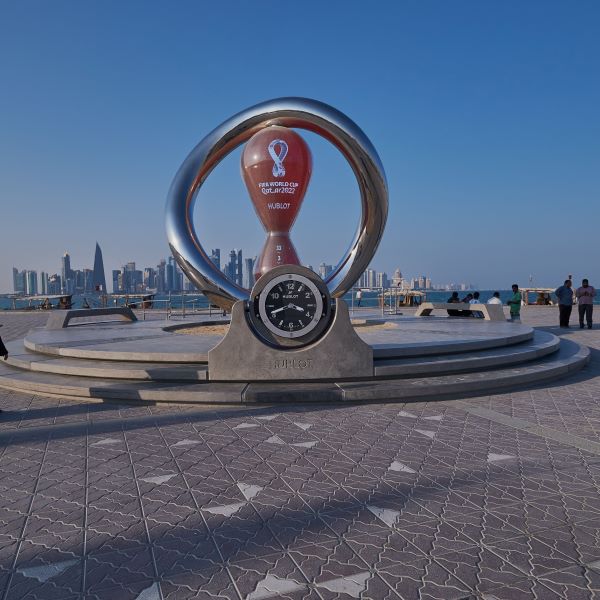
(495, 497)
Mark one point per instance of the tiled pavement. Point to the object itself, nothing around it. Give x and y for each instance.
(496, 497)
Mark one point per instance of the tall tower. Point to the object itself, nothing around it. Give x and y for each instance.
(239, 279)
(98, 278)
(66, 274)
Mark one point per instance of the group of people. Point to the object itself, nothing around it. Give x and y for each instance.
(473, 298)
(585, 295)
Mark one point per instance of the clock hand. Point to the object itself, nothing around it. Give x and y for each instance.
(297, 307)
(274, 312)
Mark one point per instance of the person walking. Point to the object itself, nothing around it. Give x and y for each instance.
(358, 297)
(585, 302)
(515, 303)
(564, 293)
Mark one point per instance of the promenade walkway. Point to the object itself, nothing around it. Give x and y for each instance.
(494, 498)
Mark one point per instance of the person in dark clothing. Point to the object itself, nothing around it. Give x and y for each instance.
(585, 302)
(3, 350)
(454, 299)
(564, 293)
(467, 300)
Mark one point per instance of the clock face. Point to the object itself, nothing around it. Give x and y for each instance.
(290, 306)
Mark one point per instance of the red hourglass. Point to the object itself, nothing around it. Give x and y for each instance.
(276, 167)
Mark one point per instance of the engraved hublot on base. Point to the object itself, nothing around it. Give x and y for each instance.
(290, 330)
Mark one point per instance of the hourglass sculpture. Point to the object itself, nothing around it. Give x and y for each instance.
(276, 167)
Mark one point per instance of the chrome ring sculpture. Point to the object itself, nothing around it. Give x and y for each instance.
(301, 113)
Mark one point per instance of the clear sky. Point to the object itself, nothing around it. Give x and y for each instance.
(486, 116)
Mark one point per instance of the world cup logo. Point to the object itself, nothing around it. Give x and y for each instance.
(276, 191)
(278, 157)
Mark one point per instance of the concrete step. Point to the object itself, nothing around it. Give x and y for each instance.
(22, 358)
(542, 344)
(152, 342)
(568, 359)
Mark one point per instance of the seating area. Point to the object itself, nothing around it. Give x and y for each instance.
(60, 319)
(490, 312)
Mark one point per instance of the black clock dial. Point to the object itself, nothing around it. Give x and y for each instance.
(290, 305)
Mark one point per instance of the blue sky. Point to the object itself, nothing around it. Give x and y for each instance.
(485, 115)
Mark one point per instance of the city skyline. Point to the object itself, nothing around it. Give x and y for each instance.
(167, 276)
(486, 127)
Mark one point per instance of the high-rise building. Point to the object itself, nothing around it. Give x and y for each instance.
(215, 257)
(54, 284)
(371, 278)
(149, 278)
(324, 270)
(67, 274)
(397, 279)
(19, 281)
(98, 277)
(231, 266)
(161, 281)
(43, 282)
(239, 279)
(32, 283)
(88, 281)
(116, 287)
(381, 279)
(170, 275)
(249, 273)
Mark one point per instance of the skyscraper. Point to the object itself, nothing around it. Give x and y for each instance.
(170, 275)
(67, 274)
(240, 269)
(249, 274)
(231, 267)
(43, 283)
(215, 257)
(149, 278)
(161, 282)
(32, 283)
(19, 281)
(324, 270)
(98, 278)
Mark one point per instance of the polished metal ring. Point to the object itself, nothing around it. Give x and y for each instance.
(301, 113)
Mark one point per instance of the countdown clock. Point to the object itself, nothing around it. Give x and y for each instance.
(289, 306)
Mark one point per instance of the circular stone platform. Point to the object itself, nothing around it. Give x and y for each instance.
(414, 358)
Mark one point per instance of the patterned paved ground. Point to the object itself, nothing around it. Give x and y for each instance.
(496, 497)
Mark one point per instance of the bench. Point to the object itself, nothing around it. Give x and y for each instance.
(61, 318)
(491, 312)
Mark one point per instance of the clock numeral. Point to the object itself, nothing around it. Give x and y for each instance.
(274, 295)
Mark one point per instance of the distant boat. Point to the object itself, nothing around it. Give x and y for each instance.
(542, 296)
